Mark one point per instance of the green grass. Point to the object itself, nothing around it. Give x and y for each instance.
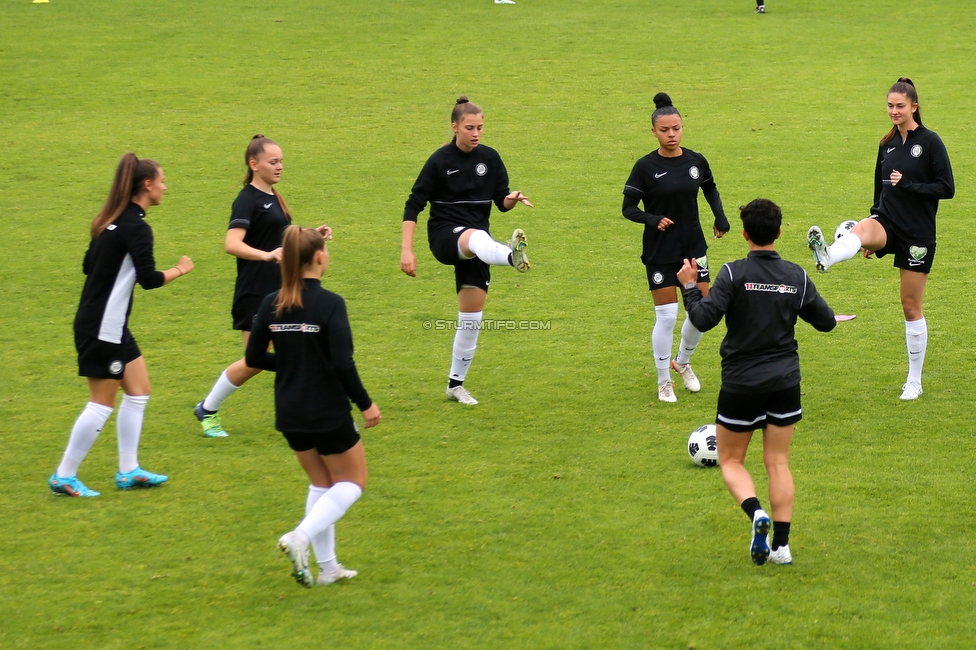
(562, 512)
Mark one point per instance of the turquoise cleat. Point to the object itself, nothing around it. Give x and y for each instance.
(69, 485)
(139, 478)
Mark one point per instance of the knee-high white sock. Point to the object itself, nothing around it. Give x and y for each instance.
(488, 250)
(324, 543)
(844, 248)
(222, 389)
(662, 339)
(83, 435)
(917, 337)
(465, 343)
(329, 509)
(690, 336)
(129, 425)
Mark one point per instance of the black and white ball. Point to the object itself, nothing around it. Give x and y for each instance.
(703, 446)
(844, 228)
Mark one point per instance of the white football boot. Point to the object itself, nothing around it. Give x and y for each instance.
(688, 376)
(519, 258)
(818, 246)
(911, 390)
(781, 555)
(665, 392)
(461, 394)
(340, 573)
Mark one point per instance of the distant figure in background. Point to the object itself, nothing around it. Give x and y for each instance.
(760, 298)
(911, 175)
(119, 255)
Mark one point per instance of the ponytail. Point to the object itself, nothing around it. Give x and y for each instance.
(298, 249)
(903, 86)
(254, 149)
(130, 176)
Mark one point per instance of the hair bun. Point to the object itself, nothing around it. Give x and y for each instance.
(661, 100)
(463, 99)
(906, 80)
(258, 136)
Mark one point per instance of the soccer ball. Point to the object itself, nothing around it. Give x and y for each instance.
(844, 228)
(703, 446)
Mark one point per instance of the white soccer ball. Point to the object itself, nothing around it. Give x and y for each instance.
(703, 446)
(844, 228)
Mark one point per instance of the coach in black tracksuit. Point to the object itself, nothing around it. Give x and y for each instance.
(316, 378)
(461, 181)
(911, 175)
(760, 297)
(667, 180)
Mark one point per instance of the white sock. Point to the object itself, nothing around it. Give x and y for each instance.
(129, 425)
(329, 509)
(488, 250)
(83, 435)
(465, 343)
(917, 337)
(844, 248)
(221, 390)
(324, 543)
(662, 339)
(690, 336)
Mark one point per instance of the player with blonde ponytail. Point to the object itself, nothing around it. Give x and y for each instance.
(315, 380)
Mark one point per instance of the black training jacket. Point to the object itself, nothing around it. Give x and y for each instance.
(118, 258)
(316, 375)
(265, 221)
(911, 205)
(460, 188)
(669, 188)
(760, 297)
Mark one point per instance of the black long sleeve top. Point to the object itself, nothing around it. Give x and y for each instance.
(911, 205)
(115, 260)
(669, 188)
(460, 188)
(316, 376)
(760, 297)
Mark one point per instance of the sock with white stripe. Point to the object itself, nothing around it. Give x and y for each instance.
(662, 339)
(465, 343)
(129, 425)
(844, 248)
(83, 435)
(329, 509)
(221, 390)
(916, 338)
(488, 250)
(324, 543)
(690, 337)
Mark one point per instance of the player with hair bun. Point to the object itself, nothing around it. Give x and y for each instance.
(460, 181)
(911, 175)
(667, 181)
(315, 380)
(257, 221)
(119, 255)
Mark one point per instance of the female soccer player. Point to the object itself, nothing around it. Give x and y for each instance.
(119, 255)
(461, 180)
(257, 221)
(667, 181)
(911, 175)
(760, 298)
(316, 378)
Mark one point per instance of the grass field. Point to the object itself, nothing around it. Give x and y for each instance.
(562, 512)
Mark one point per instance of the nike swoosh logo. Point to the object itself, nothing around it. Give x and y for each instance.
(452, 171)
(659, 175)
(268, 205)
(890, 150)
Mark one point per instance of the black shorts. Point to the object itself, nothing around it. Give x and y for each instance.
(660, 276)
(907, 255)
(244, 309)
(102, 360)
(467, 273)
(327, 443)
(747, 412)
